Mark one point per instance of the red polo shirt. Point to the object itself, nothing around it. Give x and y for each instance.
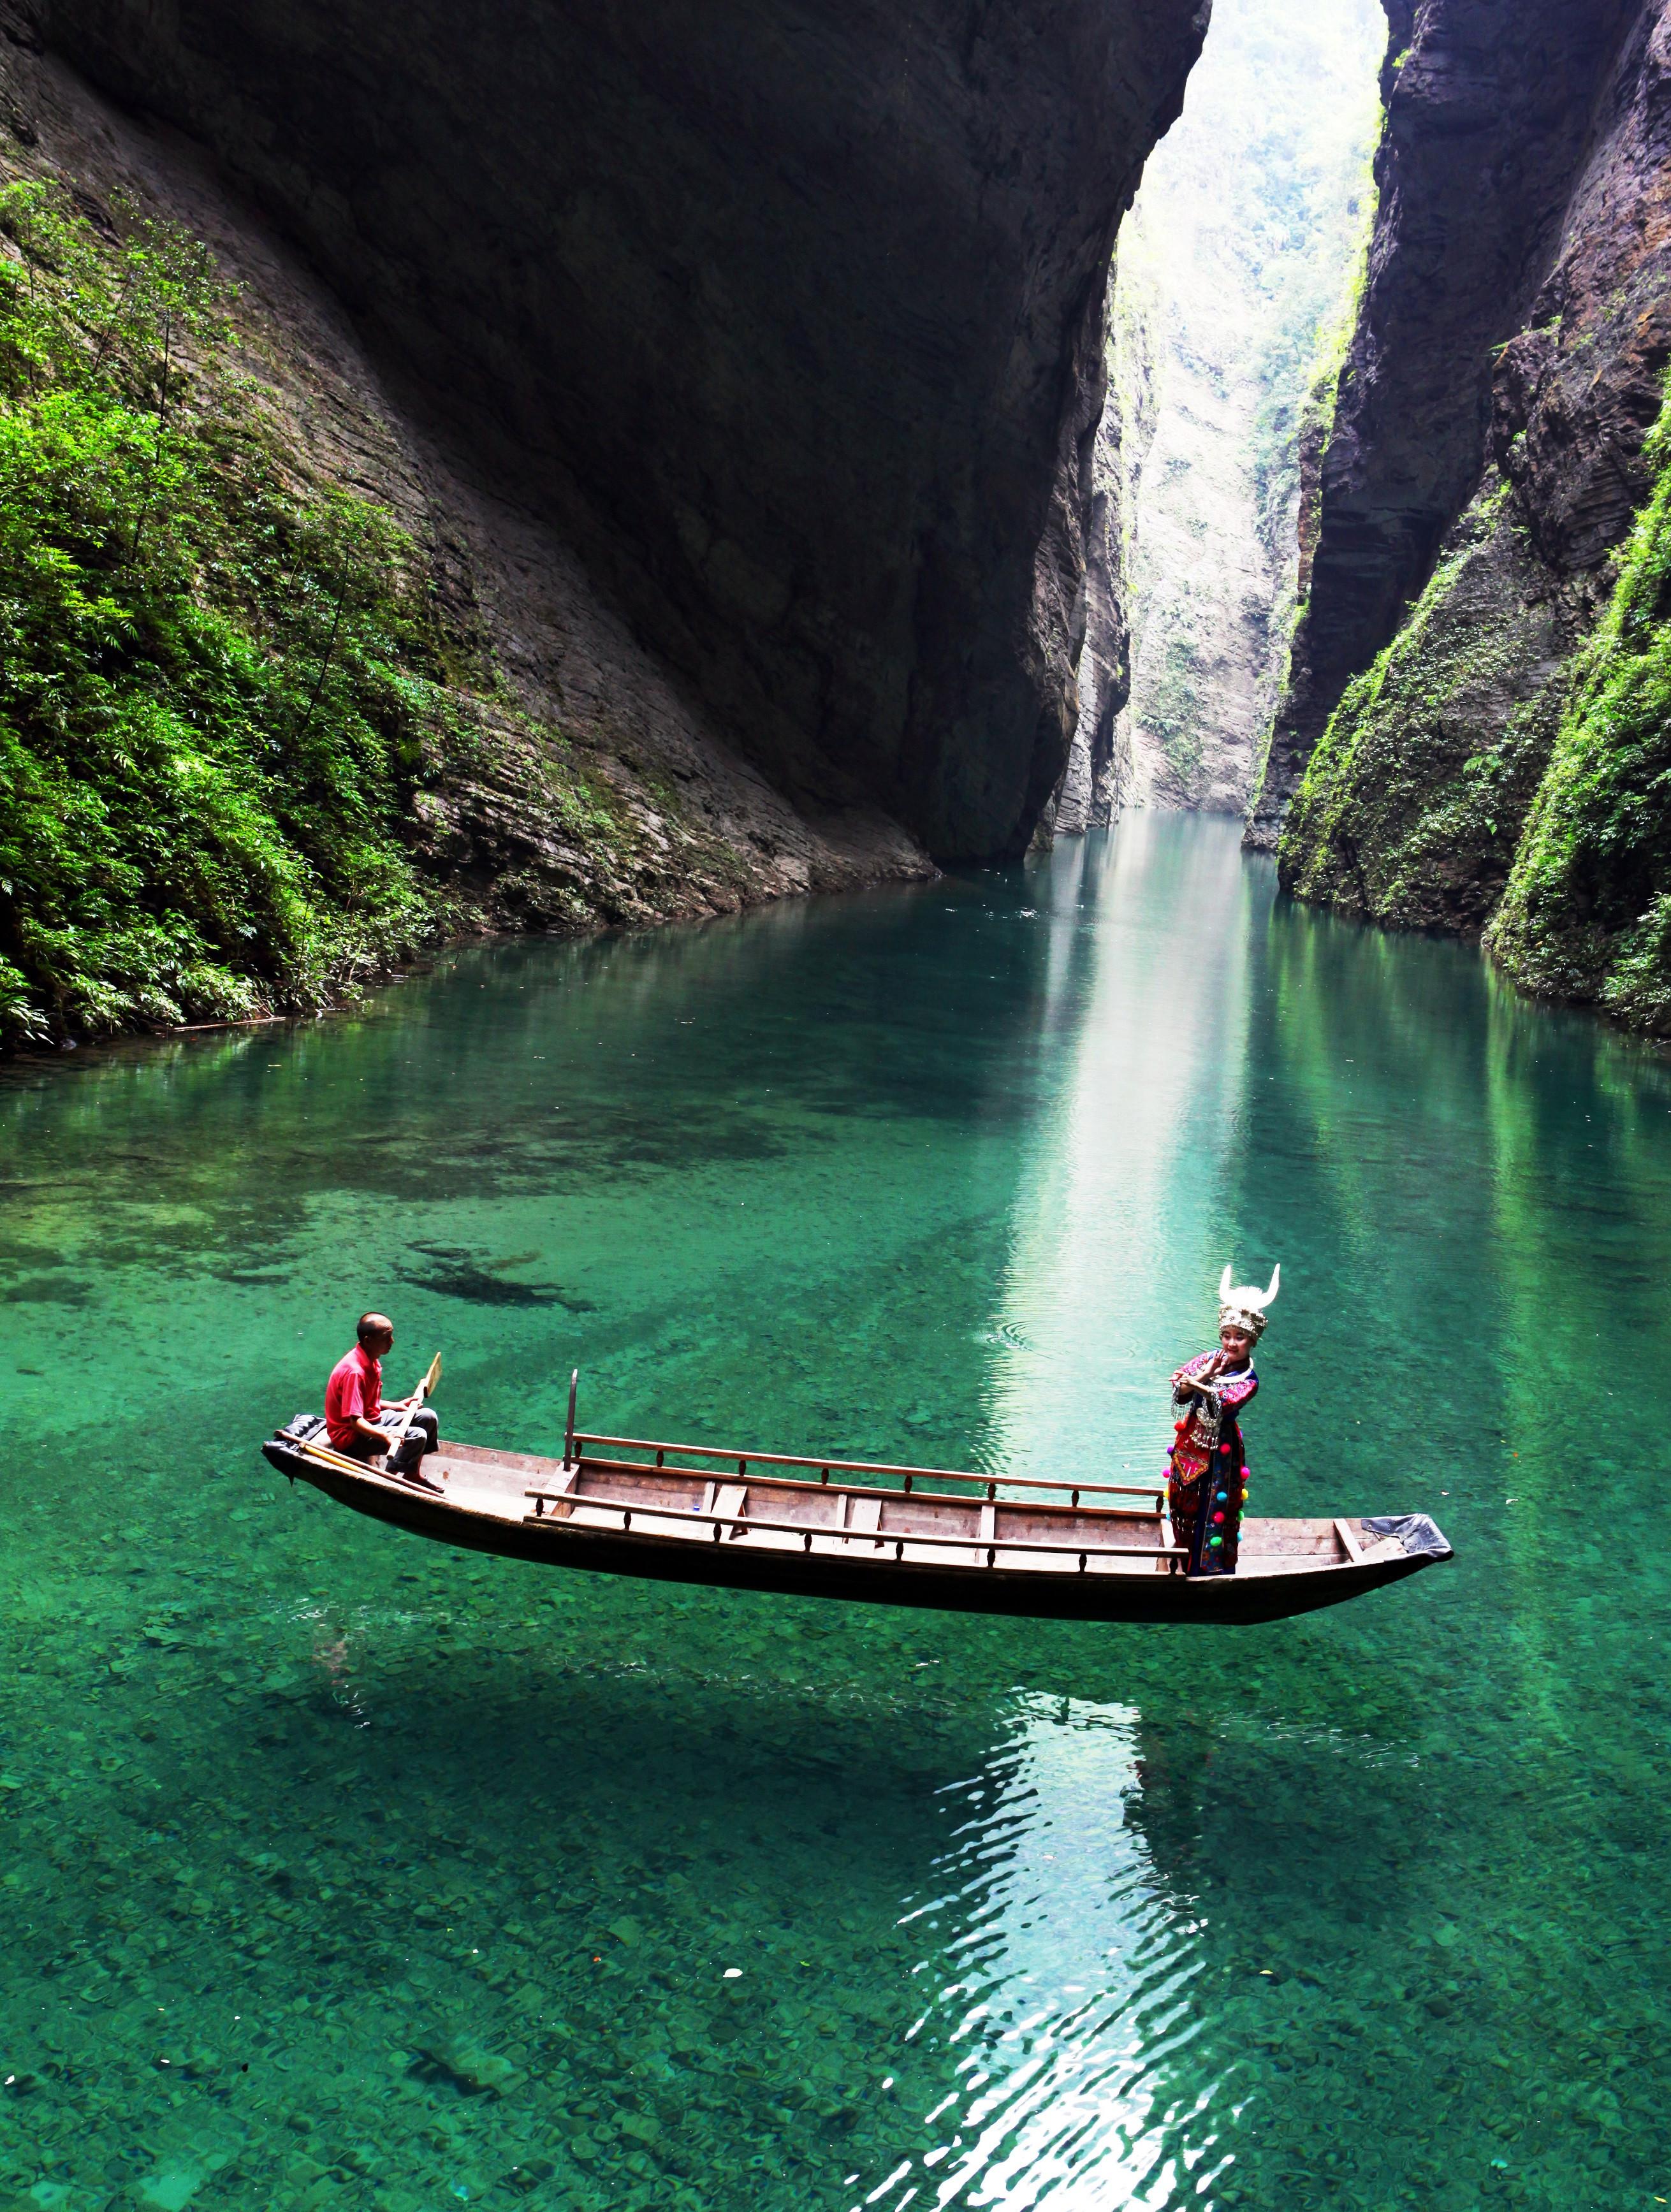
(355, 1388)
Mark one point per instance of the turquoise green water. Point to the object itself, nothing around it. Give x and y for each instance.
(341, 1871)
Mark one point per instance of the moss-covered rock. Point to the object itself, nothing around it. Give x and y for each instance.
(220, 691)
(1505, 766)
(1509, 125)
(1587, 911)
(291, 689)
(238, 719)
(1412, 803)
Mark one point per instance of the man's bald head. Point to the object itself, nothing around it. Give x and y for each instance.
(375, 1331)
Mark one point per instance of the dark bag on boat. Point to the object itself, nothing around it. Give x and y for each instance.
(1415, 1531)
(302, 1428)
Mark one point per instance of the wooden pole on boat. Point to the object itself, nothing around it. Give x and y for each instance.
(568, 1433)
(398, 1434)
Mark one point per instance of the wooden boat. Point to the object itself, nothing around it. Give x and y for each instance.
(848, 1529)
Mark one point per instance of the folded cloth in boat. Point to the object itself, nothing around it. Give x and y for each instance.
(302, 1428)
(1415, 1531)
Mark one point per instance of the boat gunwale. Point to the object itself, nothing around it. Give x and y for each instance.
(747, 1459)
(380, 1480)
(326, 1455)
(1270, 1587)
(864, 1490)
(741, 1523)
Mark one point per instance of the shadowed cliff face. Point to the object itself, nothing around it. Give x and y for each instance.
(1491, 114)
(788, 313)
(1501, 766)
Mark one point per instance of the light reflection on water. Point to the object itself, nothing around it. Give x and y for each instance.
(343, 1870)
(1120, 1209)
(1071, 1976)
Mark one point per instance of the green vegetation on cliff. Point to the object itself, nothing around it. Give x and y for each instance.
(1491, 772)
(219, 685)
(1412, 803)
(1291, 437)
(1587, 913)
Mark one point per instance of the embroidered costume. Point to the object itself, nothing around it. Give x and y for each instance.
(1207, 1475)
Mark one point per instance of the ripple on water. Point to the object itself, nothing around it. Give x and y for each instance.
(343, 1871)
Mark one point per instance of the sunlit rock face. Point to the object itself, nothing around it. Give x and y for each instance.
(1099, 770)
(788, 311)
(1236, 268)
(1498, 210)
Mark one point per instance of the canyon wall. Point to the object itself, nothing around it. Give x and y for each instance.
(787, 320)
(585, 785)
(1490, 113)
(1490, 506)
(1098, 780)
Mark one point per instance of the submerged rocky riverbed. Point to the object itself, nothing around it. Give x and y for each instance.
(344, 1871)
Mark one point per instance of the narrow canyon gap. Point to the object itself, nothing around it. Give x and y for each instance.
(1229, 312)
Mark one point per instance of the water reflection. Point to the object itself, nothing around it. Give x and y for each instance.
(1057, 1980)
(1122, 1221)
(1361, 1911)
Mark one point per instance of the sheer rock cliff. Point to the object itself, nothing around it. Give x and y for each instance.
(560, 694)
(1098, 782)
(1491, 118)
(785, 327)
(1480, 667)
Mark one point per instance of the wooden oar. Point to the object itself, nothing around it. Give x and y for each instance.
(398, 1434)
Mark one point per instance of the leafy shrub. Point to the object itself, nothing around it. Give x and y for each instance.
(220, 686)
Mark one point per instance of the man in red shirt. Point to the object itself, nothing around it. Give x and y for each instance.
(354, 1405)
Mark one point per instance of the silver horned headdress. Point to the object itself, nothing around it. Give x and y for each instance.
(1244, 1307)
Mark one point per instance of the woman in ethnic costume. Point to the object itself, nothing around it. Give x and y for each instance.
(1206, 1479)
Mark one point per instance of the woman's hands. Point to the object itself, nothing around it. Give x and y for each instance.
(1197, 1386)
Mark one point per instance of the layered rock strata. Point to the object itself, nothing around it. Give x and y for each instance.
(1493, 112)
(789, 322)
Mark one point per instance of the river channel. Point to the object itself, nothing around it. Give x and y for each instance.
(343, 1870)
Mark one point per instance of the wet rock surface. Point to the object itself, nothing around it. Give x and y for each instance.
(792, 325)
